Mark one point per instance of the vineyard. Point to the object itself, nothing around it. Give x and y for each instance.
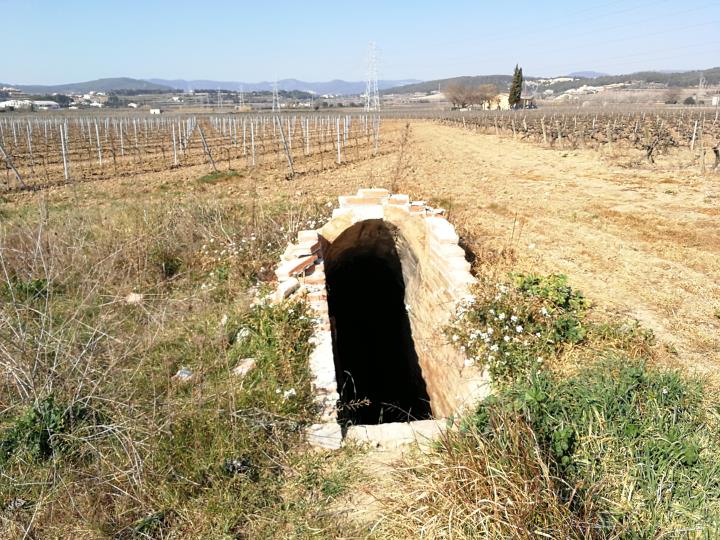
(654, 133)
(41, 152)
(38, 152)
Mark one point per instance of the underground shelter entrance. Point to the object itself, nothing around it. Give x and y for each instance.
(379, 378)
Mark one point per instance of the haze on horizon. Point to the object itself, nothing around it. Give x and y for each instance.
(80, 40)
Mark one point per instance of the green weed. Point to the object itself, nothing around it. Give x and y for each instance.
(513, 327)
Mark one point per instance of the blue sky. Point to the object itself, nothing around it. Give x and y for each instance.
(48, 42)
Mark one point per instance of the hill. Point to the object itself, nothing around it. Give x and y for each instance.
(115, 84)
(501, 81)
(335, 86)
(679, 79)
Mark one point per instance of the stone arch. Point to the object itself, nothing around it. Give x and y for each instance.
(435, 277)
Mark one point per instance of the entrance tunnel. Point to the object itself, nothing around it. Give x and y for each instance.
(376, 364)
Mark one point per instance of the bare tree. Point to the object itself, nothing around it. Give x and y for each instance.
(459, 95)
(672, 96)
(485, 94)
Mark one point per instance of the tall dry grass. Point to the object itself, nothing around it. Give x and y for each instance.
(471, 488)
(99, 308)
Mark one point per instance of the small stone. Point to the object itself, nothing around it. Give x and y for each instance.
(134, 298)
(242, 335)
(244, 367)
(184, 375)
(373, 192)
(307, 236)
(401, 200)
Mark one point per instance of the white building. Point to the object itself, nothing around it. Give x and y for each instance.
(46, 105)
(18, 104)
(155, 111)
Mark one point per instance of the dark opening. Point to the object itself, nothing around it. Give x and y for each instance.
(379, 378)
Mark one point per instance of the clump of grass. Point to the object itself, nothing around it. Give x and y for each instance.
(616, 451)
(512, 327)
(640, 446)
(217, 176)
(42, 431)
(472, 486)
(23, 289)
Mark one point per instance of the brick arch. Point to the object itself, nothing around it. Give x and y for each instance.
(436, 276)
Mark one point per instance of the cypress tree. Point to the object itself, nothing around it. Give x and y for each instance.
(516, 87)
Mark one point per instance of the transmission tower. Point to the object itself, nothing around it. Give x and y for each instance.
(276, 97)
(701, 87)
(372, 96)
(242, 96)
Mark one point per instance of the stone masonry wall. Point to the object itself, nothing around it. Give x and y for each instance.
(437, 277)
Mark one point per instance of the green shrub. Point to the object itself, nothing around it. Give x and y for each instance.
(512, 328)
(39, 431)
(24, 290)
(643, 443)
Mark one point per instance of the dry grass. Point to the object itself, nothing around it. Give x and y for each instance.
(470, 488)
(100, 308)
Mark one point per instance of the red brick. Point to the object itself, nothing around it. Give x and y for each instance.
(398, 200)
(293, 267)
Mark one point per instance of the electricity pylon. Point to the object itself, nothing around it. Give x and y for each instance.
(372, 96)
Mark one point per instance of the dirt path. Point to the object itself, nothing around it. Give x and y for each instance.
(643, 242)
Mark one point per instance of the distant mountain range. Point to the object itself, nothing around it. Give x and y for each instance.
(670, 78)
(99, 85)
(126, 83)
(330, 87)
(340, 87)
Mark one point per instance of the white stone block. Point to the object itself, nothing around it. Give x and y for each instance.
(441, 230)
(285, 289)
(363, 213)
(327, 435)
(322, 364)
